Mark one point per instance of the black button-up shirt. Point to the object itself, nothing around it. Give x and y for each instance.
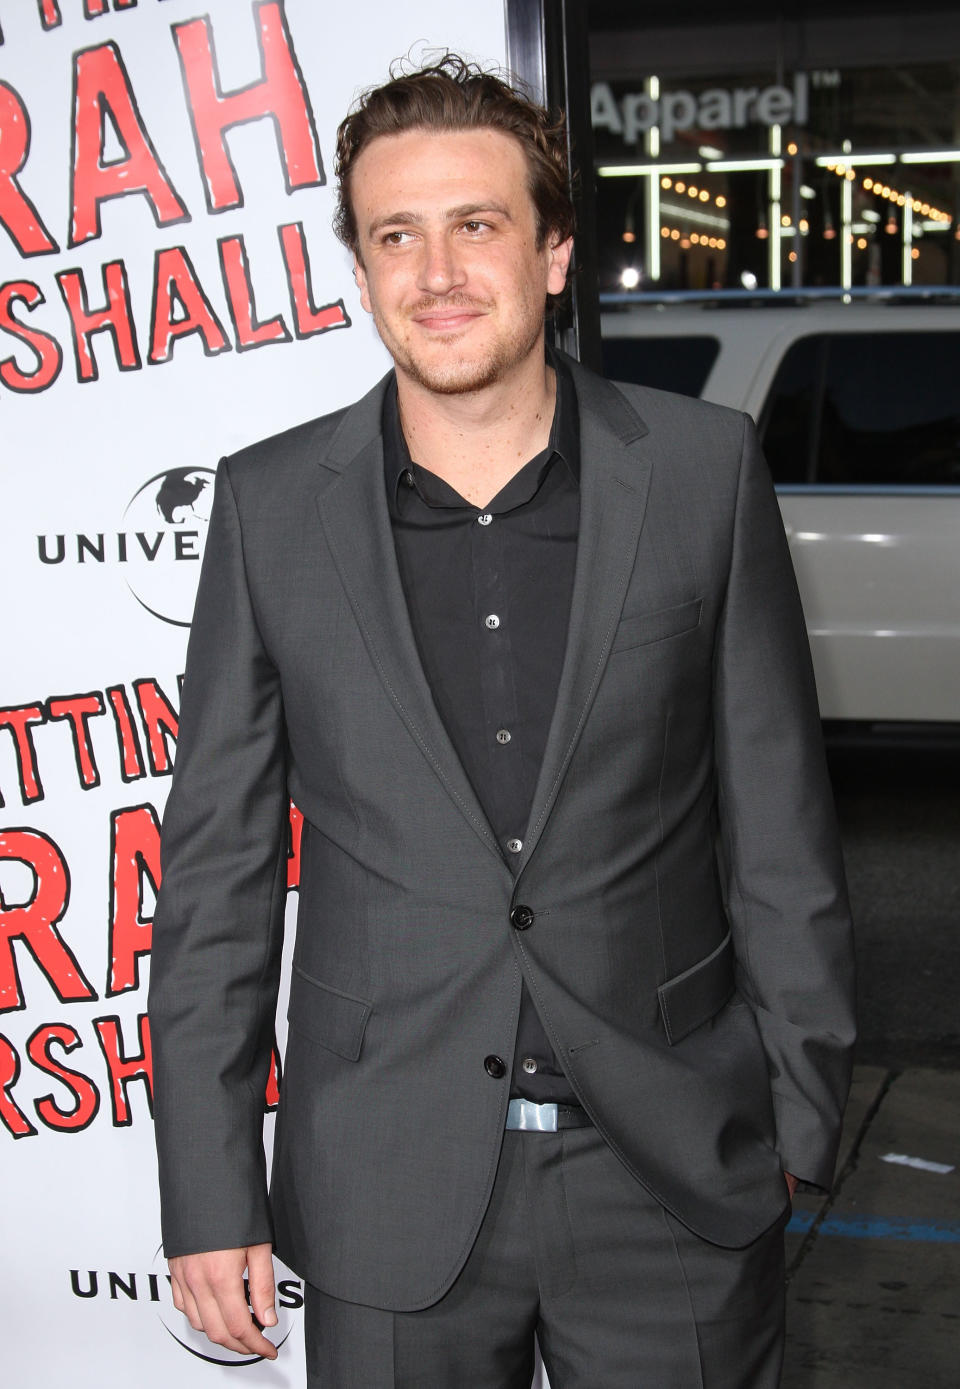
(488, 592)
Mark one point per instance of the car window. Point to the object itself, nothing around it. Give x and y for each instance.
(866, 409)
(670, 363)
(790, 419)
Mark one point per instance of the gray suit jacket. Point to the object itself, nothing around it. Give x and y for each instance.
(690, 952)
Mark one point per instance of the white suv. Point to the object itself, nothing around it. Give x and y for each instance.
(858, 406)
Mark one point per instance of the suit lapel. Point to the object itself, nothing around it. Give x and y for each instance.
(353, 512)
(614, 480)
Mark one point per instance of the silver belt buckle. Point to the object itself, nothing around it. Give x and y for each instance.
(530, 1117)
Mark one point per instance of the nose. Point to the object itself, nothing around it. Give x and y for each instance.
(441, 269)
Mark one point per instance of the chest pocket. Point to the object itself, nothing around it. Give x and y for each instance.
(645, 628)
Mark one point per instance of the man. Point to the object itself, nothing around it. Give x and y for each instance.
(570, 1007)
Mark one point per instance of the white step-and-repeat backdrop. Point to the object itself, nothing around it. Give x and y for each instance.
(170, 290)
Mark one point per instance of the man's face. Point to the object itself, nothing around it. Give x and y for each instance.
(448, 260)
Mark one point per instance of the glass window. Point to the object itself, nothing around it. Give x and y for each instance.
(780, 148)
(891, 409)
(670, 363)
(866, 409)
(788, 424)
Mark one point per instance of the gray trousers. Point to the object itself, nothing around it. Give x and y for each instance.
(574, 1251)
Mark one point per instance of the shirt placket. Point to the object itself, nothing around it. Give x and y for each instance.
(498, 693)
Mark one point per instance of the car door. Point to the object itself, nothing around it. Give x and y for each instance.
(862, 432)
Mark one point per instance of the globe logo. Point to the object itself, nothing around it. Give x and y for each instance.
(164, 533)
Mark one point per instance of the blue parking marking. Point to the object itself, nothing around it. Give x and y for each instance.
(878, 1227)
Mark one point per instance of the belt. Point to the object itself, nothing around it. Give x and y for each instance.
(545, 1118)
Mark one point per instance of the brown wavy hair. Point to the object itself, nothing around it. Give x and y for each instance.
(451, 94)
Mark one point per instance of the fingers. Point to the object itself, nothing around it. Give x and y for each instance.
(791, 1183)
(183, 1300)
(209, 1289)
(260, 1283)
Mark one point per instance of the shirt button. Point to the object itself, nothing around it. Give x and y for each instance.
(494, 1067)
(406, 477)
(514, 845)
(493, 622)
(503, 735)
(530, 1065)
(484, 519)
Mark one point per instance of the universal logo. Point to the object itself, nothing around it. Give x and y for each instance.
(159, 545)
(153, 1287)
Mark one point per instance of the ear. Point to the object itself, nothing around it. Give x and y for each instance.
(360, 275)
(560, 253)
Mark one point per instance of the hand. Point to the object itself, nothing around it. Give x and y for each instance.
(791, 1181)
(208, 1289)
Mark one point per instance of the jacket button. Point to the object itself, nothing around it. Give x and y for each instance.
(494, 1067)
(522, 918)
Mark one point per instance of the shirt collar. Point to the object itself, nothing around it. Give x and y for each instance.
(563, 445)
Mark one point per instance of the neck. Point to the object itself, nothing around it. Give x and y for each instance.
(478, 440)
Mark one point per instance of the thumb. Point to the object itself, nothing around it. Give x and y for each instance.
(260, 1283)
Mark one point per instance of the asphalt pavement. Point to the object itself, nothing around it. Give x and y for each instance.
(899, 812)
(873, 1298)
(873, 1295)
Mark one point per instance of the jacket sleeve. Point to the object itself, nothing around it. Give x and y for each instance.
(218, 925)
(786, 893)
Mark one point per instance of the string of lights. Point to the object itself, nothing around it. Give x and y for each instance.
(692, 216)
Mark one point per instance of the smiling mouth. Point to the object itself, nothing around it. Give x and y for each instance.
(450, 322)
(449, 315)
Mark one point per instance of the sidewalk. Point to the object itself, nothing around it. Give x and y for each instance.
(873, 1300)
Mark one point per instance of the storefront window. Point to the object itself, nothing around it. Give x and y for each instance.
(736, 156)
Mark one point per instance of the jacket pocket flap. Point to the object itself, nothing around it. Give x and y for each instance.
(656, 626)
(333, 1019)
(690, 998)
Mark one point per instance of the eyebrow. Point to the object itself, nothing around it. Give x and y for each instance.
(453, 214)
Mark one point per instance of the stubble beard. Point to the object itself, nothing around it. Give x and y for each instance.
(461, 375)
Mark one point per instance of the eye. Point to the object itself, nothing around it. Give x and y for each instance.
(474, 228)
(396, 238)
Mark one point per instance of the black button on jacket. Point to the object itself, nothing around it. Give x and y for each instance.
(489, 599)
